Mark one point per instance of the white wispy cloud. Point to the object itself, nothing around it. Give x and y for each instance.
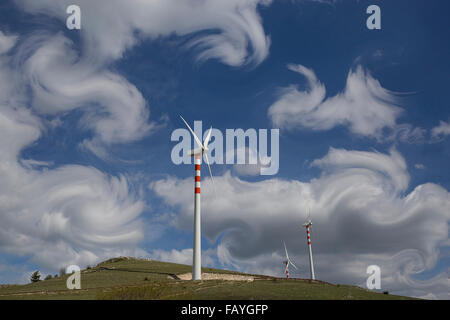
(442, 130)
(69, 214)
(6, 42)
(365, 107)
(183, 256)
(407, 133)
(112, 107)
(231, 30)
(360, 212)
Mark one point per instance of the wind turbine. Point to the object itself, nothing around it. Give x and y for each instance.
(308, 225)
(197, 154)
(287, 262)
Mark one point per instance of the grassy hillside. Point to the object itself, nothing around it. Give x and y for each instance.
(124, 278)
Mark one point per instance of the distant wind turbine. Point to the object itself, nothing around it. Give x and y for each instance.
(287, 262)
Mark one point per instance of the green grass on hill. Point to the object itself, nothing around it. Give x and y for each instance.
(123, 278)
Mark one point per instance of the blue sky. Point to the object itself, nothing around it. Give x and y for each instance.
(393, 165)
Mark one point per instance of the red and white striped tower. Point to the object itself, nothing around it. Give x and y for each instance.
(197, 258)
(308, 235)
(287, 269)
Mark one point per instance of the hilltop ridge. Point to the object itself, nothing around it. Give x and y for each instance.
(137, 278)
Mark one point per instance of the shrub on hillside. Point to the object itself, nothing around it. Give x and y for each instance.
(35, 277)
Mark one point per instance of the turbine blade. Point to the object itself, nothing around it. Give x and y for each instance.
(193, 133)
(210, 173)
(287, 256)
(208, 136)
(293, 264)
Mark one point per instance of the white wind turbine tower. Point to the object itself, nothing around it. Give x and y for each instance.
(197, 153)
(287, 262)
(308, 225)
